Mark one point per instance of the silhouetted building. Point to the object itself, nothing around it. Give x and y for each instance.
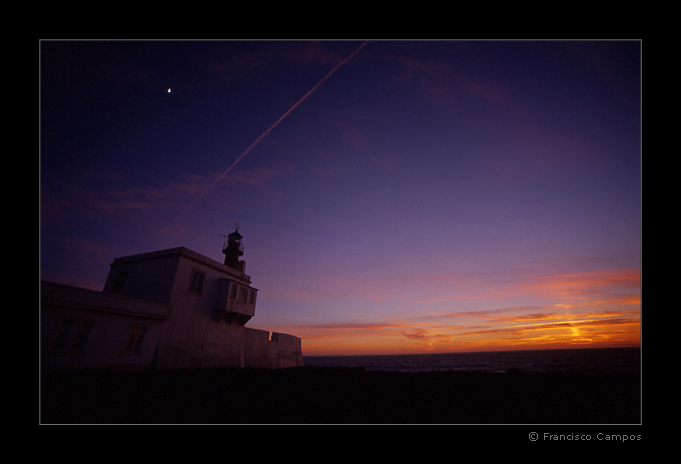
(168, 309)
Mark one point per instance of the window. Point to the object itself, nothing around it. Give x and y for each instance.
(120, 281)
(134, 342)
(59, 343)
(81, 336)
(233, 292)
(243, 295)
(251, 297)
(68, 341)
(197, 282)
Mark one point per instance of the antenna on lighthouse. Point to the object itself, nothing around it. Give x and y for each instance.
(236, 229)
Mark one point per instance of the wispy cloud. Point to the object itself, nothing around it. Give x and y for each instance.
(108, 192)
(445, 82)
(597, 288)
(573, 313)
(529, 331)
(607, 328)
(238, 60)
(589, 283)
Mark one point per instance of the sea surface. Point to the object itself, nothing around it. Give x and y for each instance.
(581, 361)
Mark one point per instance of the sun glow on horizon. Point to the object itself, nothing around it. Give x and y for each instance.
(577, 312)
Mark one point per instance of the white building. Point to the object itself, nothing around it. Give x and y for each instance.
(169, 309)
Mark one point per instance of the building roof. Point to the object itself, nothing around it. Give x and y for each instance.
(60, 295)
(186, 253)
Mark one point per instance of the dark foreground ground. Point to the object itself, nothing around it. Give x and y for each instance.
(337, 396)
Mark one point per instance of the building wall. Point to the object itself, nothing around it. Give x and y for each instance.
(246, 348)
(81, 328)
(161, 317)
(275, 350)
(150, 276)
(200, 337)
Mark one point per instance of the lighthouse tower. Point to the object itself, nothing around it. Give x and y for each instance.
(233, 250)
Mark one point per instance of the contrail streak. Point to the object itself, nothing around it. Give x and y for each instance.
(264, 134)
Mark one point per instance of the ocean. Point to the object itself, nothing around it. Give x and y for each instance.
(579, 361)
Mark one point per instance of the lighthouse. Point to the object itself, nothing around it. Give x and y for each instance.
(233, 250)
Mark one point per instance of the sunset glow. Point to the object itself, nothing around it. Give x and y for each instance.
(582, 316)
(394, 197)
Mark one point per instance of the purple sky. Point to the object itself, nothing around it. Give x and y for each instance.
(417, 191)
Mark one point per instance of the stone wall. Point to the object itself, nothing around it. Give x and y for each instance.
(245, 348)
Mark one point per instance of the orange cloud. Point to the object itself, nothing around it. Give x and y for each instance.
(580, 285)
(485, 333)
(582, 309)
